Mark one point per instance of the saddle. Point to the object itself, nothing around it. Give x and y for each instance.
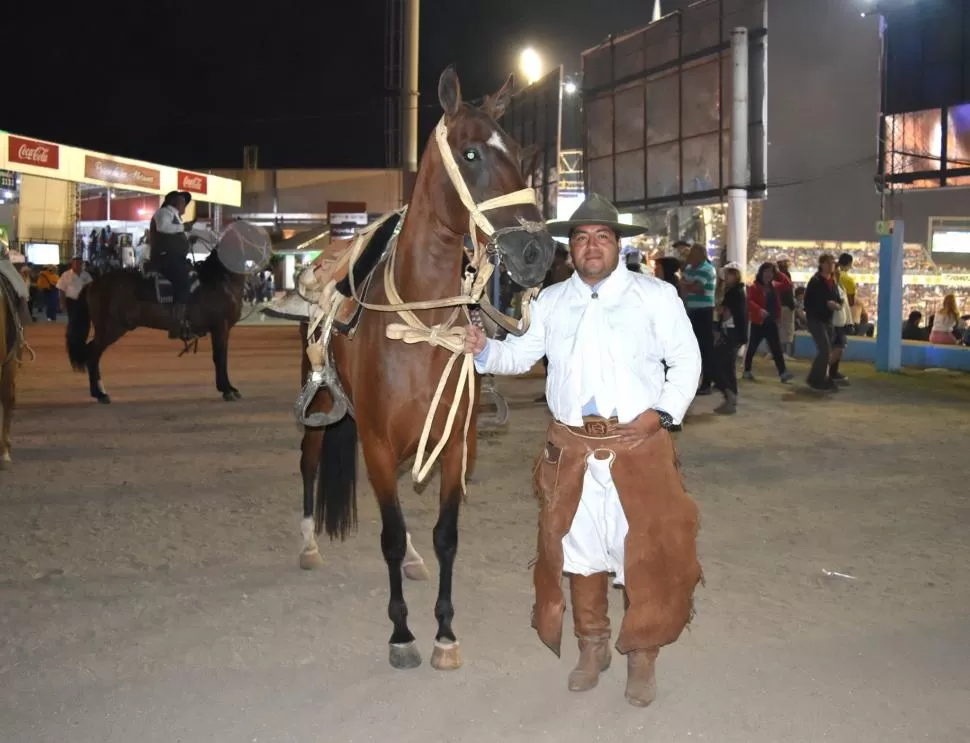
(154, 287)
(325, 285)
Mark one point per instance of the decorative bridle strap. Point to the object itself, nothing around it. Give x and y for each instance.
(475, 211)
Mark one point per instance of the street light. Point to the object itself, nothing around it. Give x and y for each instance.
(530, 63)
(569, 87)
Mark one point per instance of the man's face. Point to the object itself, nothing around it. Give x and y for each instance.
(783, 265)
(76, 265)
(696, 256)
(595, 251)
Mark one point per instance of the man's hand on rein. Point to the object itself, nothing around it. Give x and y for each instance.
(640, 428)
(474, 340)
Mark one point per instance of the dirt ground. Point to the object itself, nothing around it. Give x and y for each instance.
(149, 587)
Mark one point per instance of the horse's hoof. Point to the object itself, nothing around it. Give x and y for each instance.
(416, 571)
(104, 399)
(446, 656)
(311, 560)
(5, 460)
(227, 396)
(405, 656)
(236, 394)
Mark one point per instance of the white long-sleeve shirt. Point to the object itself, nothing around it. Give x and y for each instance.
(71, 283)
(168, 220)
(645, 325)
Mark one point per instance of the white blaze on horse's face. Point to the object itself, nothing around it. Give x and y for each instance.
(496, 142)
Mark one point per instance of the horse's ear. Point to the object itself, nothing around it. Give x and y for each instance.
(496, 104)
(528, 159)
(449, 91)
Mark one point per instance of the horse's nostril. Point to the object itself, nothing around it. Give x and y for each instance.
(531, 253)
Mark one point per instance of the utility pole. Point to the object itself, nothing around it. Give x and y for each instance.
(410, 92)
(737, 192)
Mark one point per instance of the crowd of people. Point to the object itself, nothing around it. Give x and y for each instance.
(865, 256)
(924, 298)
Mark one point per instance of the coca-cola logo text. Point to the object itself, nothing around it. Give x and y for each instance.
(193, 182)
(110, 171)
(32, 152)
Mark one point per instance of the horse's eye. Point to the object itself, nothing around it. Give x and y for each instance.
(471, 155)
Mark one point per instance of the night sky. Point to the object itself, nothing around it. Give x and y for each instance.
(303, 80)
(190, 83)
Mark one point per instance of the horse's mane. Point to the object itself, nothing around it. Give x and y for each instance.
(211, 269)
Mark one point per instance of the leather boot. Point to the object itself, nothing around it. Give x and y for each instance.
(178, 318)
(592, 623)
(641, 676)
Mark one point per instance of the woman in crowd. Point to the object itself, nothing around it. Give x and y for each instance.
(732, 315)
(947, 326)
(764, 311)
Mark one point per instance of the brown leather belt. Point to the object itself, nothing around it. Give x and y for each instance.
(595, 425)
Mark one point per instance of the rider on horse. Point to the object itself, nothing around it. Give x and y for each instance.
(169, 256)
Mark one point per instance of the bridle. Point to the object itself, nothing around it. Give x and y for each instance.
(476, 216)
(479, 269)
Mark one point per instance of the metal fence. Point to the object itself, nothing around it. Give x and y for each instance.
(533, 118)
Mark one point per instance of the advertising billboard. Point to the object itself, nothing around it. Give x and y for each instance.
(924, 134)
(657, 107)
(927, 149)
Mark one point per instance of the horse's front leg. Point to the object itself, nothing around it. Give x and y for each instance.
(220, 359)
(447, 652)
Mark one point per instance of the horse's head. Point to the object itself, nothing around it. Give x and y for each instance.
(481, 164)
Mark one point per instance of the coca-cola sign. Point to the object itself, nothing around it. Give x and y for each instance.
(127, 174)
(193, 182)
(32, 152)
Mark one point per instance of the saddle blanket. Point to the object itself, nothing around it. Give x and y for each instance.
(159, 289)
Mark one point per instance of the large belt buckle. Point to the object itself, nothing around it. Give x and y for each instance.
(596, 428)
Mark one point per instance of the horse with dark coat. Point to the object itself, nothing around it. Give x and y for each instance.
(122, 300)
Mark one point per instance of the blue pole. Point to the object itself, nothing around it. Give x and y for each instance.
(889, 331)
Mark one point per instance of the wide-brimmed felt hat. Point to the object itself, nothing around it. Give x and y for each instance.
(184, 194)
(597, 211)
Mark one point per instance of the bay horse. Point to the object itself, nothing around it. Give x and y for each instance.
(124, 299)
(388, 380)
(10, 345)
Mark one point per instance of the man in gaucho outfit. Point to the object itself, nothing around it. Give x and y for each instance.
(611, 496)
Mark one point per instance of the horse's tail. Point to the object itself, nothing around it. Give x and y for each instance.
(78, 327)
(336, 506)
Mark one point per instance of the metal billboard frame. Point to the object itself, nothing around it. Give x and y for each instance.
(534, 118)
(672, 50)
